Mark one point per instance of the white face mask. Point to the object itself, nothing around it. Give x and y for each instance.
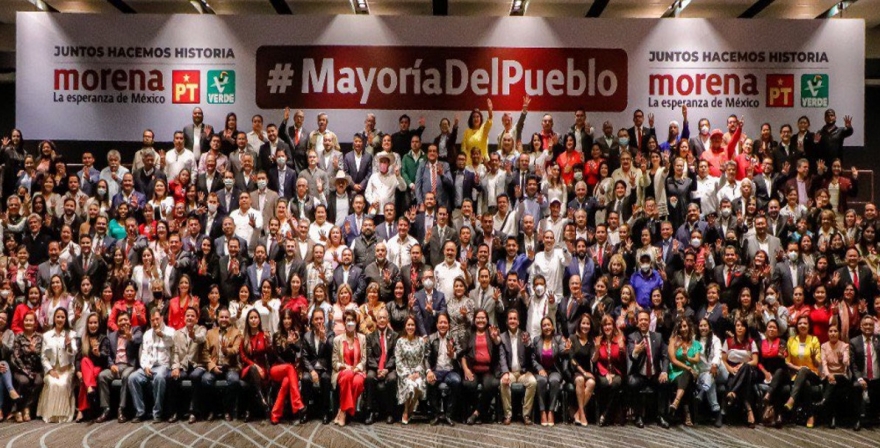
(704, 130)
(770, 300)
(793, 256)
(4, 293)
(261, 184)
(428, 283)
(212, 208)
(725, 212)
(539, 290)
(228, 182)
(646, 268)
(102, 191)
(350, 325)
(696, 242)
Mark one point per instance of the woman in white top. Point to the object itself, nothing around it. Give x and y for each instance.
(710, 369)
(160, 246)
(335, 246)
(57, 402)
(288, 223)
(144, 275)
(238, 309)
(85, 303)
(540, 304)
(161, 200)
(319, 230)
(56, 297)
(552, 187)
(268, 307)
(69, 249)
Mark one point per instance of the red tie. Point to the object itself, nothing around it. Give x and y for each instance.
(855, 276)
(869, 359)
(382, 357)
(649, 367)
(729, 276)
(601, 252)
(296, 139)
(639, 142)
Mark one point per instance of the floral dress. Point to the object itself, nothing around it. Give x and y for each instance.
(409, 357)
(460, 325)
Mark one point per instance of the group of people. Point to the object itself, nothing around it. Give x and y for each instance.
(270, 273)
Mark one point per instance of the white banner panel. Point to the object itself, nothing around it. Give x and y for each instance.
(96, 77)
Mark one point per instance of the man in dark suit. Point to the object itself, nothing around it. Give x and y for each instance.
(317, 355)
(212, 220)
(296, 138)
(438, 236)
(802, 176)
(777, 225)
(692, 223)
(669, 248)
(730, 276)
(228, 194)
(340, 196)
(268, 154)
(86, 263)
(274, 242)
(289, 265)
(602, 251)
(231, 272)
(864, 350)
(347, 273)
(197, 132)
(135, 199)
(221, 243)
(358, 165)
(582, 267)
(789, 273)
(282, 178)
(518, 178)
(211, 180)
(691, 279)
(786, 151)
(608, 141)
(424, 220)
(573, 306)
(768, 183)
(102, 243)
(639, 134)
(854, 274)
(429, 302)
(464, 183)
(515, 362)
(445, 141)
(351, 228)
(259, 271)
(122, 363)
(647, 361)
(433, 176)
(146, 176)
(380, 386)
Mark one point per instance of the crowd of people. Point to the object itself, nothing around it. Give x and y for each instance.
(601, 273)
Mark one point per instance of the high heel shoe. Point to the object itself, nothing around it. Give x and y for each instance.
(687, 418)
(750, 418)
(18, 417)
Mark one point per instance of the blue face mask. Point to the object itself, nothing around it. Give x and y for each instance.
(624, 141)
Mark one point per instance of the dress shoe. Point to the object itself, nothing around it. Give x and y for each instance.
(472, 419)
(718, 419)
(371, 417)
(173, 418)
(663, 423)
(157, 420)
(832, 424)
(858, 425)
(326, 420)
(389, 420)
(137, 419)
(121, 418)
(192, 419)
(639, 422)
(527, 420)
(303, 416)
(227, 417)
(435, 421)
(448, 421)
(104, 416)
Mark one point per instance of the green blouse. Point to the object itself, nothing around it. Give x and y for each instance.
(674, 370)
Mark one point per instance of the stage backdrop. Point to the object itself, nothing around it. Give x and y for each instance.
(96, 77)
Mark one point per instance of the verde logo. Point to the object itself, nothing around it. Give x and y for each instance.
(221, 87)
(814, 90)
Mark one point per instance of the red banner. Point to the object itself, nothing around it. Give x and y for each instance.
(440, 78)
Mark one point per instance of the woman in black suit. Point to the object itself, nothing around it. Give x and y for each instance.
(549, 360)
(204, 272)
(581, 366)
(479, 362)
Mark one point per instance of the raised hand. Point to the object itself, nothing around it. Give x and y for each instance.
(651, 120)
(847, 121)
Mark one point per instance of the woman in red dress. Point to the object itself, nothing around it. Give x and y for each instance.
(178, 305)
(610, 360)
(349, 360)
(256, 349)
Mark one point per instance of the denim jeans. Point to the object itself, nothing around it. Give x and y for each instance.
(706, 385)
(157, 381)
(5, 382)
(233, 380)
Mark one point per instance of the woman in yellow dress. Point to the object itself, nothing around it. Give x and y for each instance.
(803, 358)
(477, 133)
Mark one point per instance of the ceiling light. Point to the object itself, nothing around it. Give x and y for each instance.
(360, 6)
(518, 7)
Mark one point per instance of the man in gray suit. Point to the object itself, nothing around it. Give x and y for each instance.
(296, 137)
(433, 176)
(48, 269)
(515, 359)
(763, 241)
(789, 274)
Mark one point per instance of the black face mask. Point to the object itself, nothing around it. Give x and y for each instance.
(158, 295)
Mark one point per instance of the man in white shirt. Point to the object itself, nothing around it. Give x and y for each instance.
(155, 361)
(555, 222)
(257, 136)
(248, 222)
(707, 186)
(178, 158)
(400, 245)
(445, 273)
(380, 189)
(550, 263)
(730, 188)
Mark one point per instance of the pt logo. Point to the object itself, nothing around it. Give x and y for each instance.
(780, 90)
(814, 90)
(186, 86)
(221, 87)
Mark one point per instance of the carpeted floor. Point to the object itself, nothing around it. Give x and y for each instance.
(238, 434)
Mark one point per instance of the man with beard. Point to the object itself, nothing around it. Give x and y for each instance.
(382, 272)
(347, 273)
(582, 267)
(364, 246)
(514, 262)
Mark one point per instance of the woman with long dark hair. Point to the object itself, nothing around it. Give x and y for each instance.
(27, 367)
(479, 362)
(771, 366)
(740, 356)
(93, 357)
(409, 355)
(548, 359)
(580, 365)
(57, 402)
(711, 370)
(803, 359)
(684, 358)
(256, 349)
(286, 346)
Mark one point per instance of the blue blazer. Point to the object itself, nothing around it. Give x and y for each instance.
(358, 176)
(423, 183)
(520, 265)
(252, 278)
(426, 322)
(586, 280)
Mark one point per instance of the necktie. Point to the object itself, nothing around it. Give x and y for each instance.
(296, 139)
(869, 359)
(639, 143)
(855, 276)
(86, 264)
(729, 276)
(382, 344)
(434, 179)
(601, 254)
(649, 366)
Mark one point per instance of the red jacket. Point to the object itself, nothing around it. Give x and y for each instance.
(138, 314)
(258, 353)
